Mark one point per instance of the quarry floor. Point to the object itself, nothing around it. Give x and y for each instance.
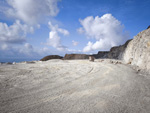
(73, 86)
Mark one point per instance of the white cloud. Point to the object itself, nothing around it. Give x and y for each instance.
(88, 47)
(13, 38)
(75, 43)
(3, 46)
(54, 38)
(15, 33)
(28, 46)
(56, 28)
(106, 30)
(27, 50)
(22, 51)
(80, 30)
(31, 11)
(74, 51)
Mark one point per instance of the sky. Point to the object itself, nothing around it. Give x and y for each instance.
(32, 29)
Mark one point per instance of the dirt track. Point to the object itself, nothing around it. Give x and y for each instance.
(76, 86)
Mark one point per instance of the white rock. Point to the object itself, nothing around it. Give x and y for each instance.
(139, 50)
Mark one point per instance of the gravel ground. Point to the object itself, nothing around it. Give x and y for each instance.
(73, 86)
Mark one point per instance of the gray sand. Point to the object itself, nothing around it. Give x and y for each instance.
(75, 86)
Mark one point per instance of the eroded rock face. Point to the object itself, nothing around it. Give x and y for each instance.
(148, 27)
(117, 52)
(114, 53)
(101, 54)
(139, 50)
(75, 56)
(51, 57)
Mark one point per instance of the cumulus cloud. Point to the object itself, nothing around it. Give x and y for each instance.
(28, 15)
(54, 37)
(15, 33)
(25, 50)
(74, 43)
(3, 46)
(106, 30)
(13, 39)
(28, 46)
(31, 11)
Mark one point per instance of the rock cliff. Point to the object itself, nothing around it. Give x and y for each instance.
(114, 53)
(138, 50)
(118, 51)
(75, 56)
(135, 52)
(101, 54)
(51, 57)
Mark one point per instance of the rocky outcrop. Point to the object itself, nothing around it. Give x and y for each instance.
(138, 50)
(51, 57)
(114, 53)
(75, 56)
(118, 51)
(101, 54)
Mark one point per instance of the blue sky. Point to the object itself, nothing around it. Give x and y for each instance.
(31, 29)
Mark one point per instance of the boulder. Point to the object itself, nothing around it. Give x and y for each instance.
(91, 58)
(51, 57)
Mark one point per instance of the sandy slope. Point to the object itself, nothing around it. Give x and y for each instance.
(75, 86)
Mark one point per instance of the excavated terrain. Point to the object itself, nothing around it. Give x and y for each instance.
(73, 86)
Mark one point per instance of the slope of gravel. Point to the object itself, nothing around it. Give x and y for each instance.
(74, 86)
